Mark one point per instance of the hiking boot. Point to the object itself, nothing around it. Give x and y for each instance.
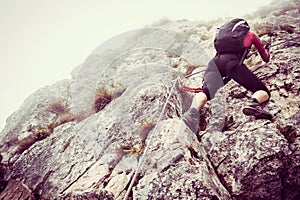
(253, 108)
(191, 119)
(252, 102)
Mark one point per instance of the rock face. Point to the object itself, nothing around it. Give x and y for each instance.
(114, 130)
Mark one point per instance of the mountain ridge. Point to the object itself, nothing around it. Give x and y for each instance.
(83, 138)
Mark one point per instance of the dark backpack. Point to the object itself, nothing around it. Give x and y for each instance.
(230, 37)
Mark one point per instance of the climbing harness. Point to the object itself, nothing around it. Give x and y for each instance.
(150, 140)
(188, 89)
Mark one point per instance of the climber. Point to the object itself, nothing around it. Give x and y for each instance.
(232, 44)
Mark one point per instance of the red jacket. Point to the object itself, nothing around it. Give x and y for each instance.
(252, 38)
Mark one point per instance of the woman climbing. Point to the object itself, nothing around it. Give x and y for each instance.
(232, 44)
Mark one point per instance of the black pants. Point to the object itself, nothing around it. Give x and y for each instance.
(227, 65)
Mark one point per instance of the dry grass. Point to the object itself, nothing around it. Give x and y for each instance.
(64, 118)
(145, 128)
(37, 135)
(102, 98)
(62, 112)
(143, 132)
(63, 115)
(58, 107)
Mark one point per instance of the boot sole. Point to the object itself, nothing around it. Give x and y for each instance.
(258, 115)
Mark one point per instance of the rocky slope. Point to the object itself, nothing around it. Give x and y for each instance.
(85, 138)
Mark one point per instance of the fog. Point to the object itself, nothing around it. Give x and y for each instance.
(43, 41)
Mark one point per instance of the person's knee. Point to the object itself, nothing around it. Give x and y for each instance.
(205, 91)
(202, 97)
(200, 100)
(267, 94)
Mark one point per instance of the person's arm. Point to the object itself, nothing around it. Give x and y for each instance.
(264, 53)
(252, 38)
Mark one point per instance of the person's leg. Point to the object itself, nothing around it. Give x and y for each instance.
(199, 101)
(261, 94)
(248, 80)
(212, 82)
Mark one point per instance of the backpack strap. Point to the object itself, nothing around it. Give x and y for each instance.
(238, 24)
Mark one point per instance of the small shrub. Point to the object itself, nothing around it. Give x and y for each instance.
(64, 118)
(26, 143)
(63, 114)
(58, 107)
(137, 149)
(145, 129)
(102, 98)
(37, 135)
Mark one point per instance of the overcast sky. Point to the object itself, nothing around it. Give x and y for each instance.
(41, 41)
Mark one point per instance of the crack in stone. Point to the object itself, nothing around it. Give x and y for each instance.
(65, 189)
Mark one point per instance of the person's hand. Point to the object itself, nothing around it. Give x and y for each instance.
(267, 46)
